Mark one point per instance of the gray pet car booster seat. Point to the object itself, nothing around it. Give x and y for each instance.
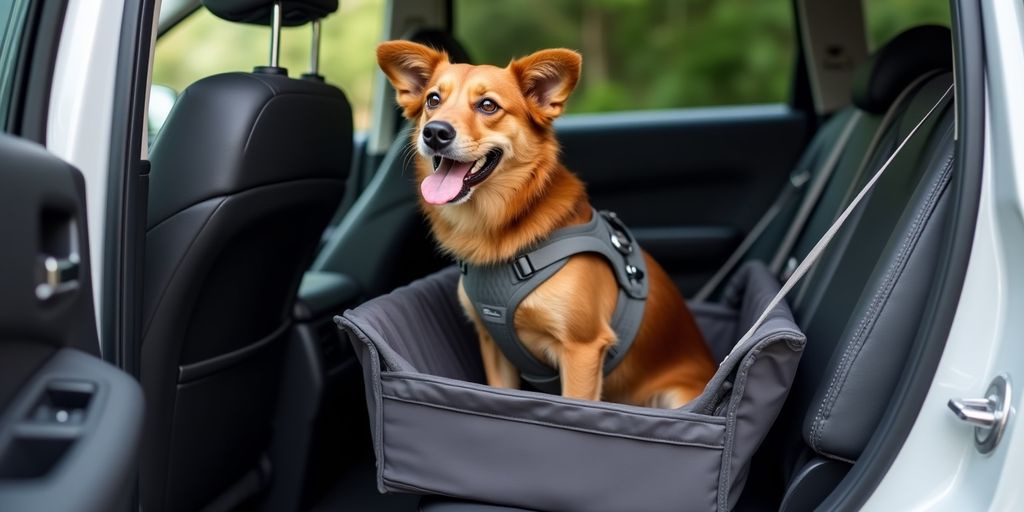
(437, 429)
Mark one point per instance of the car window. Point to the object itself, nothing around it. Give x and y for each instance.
(646, 54)
(887, 18)
(12, 18)
(203, 45)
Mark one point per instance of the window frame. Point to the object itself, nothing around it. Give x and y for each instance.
(30, 73)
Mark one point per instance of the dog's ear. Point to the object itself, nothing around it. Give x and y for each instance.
(547, 78)
(408, 67)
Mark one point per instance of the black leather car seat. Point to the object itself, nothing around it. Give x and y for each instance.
(382, 241)
(861, 308)
(246, 173)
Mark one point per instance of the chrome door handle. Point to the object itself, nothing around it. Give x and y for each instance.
(59, 275)
(989, 415)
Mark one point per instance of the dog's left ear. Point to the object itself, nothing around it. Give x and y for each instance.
(547, 78)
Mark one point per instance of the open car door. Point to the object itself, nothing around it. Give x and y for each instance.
(70, 423)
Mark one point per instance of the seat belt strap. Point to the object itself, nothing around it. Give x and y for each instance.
(797, 181)
(782, 263)
(741, 250)
(818, 184)
(823, 242)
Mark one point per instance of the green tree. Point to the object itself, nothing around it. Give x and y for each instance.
(637, 54)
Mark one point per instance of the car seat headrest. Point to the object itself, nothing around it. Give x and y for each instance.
(898, 63)
(257, 12)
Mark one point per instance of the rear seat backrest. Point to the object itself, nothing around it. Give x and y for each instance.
(872, 347)
(865, 301)
(878, 82)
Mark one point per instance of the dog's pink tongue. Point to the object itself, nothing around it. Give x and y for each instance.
(445, 183)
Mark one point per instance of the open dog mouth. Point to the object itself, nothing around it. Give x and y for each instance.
(452, 179)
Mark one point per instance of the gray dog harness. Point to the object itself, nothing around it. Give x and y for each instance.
(497, 290)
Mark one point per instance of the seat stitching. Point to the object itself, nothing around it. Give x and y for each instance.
(874, 309)
(867, 323)
(882, 294)
(635, 437)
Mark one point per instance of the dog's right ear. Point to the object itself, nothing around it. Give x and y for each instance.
(547, 78)
(408, 67)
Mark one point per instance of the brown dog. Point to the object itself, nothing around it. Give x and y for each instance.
(491, 185)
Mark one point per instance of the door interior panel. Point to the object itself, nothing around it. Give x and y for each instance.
(69, 422)
(70, 439)
(689, 183)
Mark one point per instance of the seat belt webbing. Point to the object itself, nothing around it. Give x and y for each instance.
(813, 193)
(796, 183)
(823, 242)
(782, 264)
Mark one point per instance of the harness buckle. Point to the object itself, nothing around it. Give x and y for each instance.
(522, 267)
(620, 238)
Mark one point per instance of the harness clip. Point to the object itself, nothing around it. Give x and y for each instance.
(522, 267)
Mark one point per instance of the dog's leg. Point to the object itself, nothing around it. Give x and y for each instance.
(675, 396)
(501, 373)
(582, 369)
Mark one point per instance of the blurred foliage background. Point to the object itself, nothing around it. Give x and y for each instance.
(638, 54)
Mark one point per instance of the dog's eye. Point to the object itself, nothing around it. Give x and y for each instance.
(487, 106)
(433, 100)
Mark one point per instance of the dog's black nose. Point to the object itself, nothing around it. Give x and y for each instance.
(438, 134)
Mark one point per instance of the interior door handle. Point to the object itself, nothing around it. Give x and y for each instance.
(60, 275)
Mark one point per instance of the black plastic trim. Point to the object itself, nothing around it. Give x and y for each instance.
(910, 392)
(127, 192)
(94, 470)
(800, 97)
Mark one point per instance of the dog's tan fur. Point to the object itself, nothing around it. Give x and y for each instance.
(567, 319)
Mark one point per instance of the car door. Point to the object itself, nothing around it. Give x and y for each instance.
(70, 423)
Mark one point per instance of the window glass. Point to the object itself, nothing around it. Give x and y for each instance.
(645, 54)
(203, 45)
(12, 17)
(887, 18)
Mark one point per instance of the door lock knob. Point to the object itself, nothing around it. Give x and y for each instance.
(989, 415)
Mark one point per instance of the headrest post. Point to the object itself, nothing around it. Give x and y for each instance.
(314, 57)
(275, 35)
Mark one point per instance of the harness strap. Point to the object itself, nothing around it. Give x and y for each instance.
(497, 290)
